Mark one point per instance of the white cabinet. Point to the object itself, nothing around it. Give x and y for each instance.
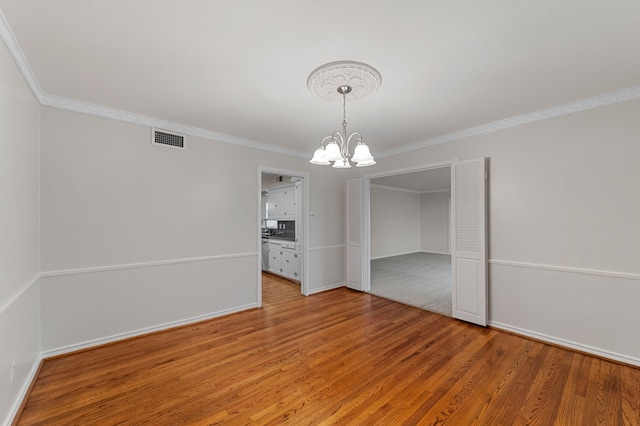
(284, 260)
(282, 203)
(274, 260)
(288, 264)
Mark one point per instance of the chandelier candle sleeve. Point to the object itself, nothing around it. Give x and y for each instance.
(343, 76)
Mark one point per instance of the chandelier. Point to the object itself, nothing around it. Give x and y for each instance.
(333, 82)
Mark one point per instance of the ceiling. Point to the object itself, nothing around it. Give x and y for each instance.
(240, 67)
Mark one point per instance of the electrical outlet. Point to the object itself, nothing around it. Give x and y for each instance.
(12, 370)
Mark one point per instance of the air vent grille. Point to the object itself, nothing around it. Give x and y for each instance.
(173, 140)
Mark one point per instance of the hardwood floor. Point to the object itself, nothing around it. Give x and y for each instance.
(338, 357)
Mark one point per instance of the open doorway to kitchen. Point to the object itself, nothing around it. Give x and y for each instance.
(410, 238)
(282, 227)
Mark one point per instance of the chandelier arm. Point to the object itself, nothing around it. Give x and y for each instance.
(339, 139)
(357, 137)
(325, 139)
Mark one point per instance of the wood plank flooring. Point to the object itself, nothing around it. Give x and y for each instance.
(338, 357)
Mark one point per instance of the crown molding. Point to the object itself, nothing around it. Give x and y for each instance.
(14, 49)
(545, 114)
(395, 188)
(411, 191)
(129, 117)
(10, 41)
(435, 191)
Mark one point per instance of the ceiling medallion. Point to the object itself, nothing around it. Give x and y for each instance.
(362, 78)
(333, 82)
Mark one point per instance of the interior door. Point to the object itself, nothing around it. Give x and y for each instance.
(354, 231)
(469, 257)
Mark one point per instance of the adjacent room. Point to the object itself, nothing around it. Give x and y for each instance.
(411, 239)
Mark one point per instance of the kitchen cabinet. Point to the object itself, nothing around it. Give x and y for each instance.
(282, 203)
(284, 259)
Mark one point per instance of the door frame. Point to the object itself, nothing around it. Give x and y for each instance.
(366, 210)
(304, 284)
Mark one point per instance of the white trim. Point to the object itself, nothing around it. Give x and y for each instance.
(69, 104)
(567, 343)
(327, 288)
(397, 254)
(412, 169)
(31, 377)
(129, 117)
(565, 269)
(624, 95)
(339, 246)
(5, 305)
(411, 191)
(436, 191)
(143, 331)
(144, 264)
(435, 252)
(14, 48)
(393, 188)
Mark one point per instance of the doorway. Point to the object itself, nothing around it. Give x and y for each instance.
(469, 240)
(282, 226)
(410, 238)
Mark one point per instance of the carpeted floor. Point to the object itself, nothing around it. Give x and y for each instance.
(416, 279)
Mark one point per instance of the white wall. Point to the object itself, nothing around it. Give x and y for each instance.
(564, 240)
(406, 222)
(19, 234)
(137, 237)
(395, 222)
(434, 222)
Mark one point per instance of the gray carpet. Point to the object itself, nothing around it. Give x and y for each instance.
(417, 279)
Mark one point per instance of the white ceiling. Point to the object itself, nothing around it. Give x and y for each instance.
(240, 67)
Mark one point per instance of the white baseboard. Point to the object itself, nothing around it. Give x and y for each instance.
(140, 332)
(410, 252)
(31, 377)
(567, 344)
(434, 252)
(396, 254)
(326, 288)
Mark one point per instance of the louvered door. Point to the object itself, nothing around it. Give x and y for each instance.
(354, 227)
(469, 258)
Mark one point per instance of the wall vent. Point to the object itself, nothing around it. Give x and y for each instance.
(164, 138)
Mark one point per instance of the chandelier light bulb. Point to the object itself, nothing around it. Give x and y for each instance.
(332, 152)
(319, 157)
(366, 163)
(361, 153)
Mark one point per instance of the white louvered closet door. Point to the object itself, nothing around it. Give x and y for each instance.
(469, 257)
(354, 230)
